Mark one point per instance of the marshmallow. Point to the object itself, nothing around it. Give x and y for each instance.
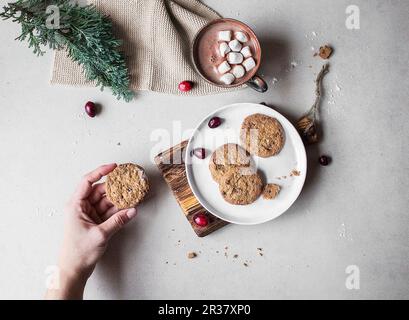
(224, 49)
(235, 45)
(227, 78)
(225, 35)
(223, 67)
(235, 58)
(246, 52)
(238, 71)
(249, 64)
(241, 36)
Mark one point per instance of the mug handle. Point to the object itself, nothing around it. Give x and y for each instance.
(258, 84)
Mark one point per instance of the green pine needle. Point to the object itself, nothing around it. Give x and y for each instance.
(84, 32)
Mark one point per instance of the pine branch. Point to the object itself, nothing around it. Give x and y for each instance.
(85, 33)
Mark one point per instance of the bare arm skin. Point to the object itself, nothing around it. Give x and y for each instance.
(91, 221)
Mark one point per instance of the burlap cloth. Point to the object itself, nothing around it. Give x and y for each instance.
(157, 37)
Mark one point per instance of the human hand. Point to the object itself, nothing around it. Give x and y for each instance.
(91, 221)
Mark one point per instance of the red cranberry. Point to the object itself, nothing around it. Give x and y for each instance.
(91, 109)
(215, 122)
(201, 220)
(185, 86)
(324, 160)
(199, 153)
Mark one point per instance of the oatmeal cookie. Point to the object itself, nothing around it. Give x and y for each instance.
(127, 186)
(241, 188)
(262, 135)
(271, 191)
(227, 157)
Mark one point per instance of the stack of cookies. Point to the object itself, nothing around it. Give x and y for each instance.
(233, 167)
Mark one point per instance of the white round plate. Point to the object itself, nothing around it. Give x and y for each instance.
(278, 169)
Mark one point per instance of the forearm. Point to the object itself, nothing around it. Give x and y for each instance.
(67, 287)
(86, 235)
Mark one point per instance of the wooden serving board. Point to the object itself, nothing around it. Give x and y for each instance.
(172, 166)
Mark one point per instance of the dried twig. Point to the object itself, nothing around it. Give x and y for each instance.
(307, 125)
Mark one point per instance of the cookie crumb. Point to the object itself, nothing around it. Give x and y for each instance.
(325, 52)
(260, 249)
(235, 256)
(271, 192)
(245, 264)
(192, 255)
(261, 254)
(295, 173)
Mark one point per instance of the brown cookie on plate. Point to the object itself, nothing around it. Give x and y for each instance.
(262, 135)
(241, 188)
(227, 157)
(271, 191)
(127, 186)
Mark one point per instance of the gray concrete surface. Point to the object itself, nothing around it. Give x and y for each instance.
(354, 212)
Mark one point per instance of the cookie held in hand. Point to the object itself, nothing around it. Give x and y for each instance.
(241, 187)
(262, 135)
(127, 186)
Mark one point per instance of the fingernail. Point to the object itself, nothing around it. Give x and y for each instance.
(110, 165)
(131, 213)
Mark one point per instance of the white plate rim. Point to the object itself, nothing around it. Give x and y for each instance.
(298, 143)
